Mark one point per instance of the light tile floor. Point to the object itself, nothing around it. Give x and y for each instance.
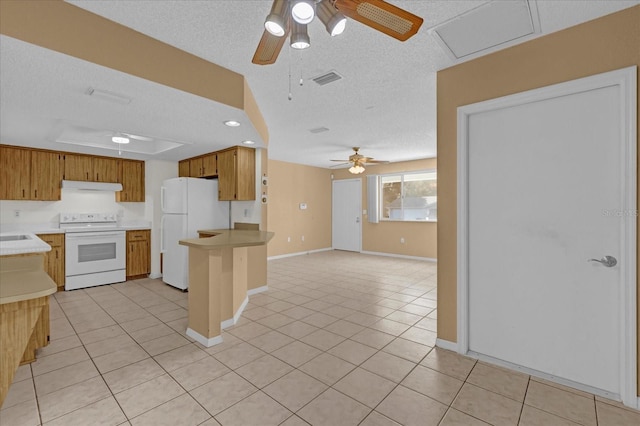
(338, 339)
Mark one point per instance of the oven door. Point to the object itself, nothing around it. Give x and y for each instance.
(92, 252)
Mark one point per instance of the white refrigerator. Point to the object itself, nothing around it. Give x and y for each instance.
(188, 205)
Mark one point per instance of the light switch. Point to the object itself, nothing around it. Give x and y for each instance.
(303, 206)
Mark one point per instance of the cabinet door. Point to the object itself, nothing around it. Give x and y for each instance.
(195, 167)
(105, 169)
(245, 174)
(184, 169)
(54, 259)
(209, 165)
(138, 253)
(15, 173)
(78, 167)
(46, 174)
(131, 176)
(227, 175)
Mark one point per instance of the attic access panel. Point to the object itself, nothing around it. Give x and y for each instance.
(494, 25)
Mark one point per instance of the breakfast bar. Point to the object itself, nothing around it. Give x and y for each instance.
(219, 279)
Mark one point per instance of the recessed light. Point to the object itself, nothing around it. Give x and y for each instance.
(119, 139)
(232, 123)
(248, 142)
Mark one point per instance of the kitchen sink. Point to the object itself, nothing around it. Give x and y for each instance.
(14, 237)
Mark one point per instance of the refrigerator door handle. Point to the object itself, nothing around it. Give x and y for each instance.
(161, 231)
(162, 188)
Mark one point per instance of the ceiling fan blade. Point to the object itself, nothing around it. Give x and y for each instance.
(268, 48)
(372, 161)
(382, 16)
(342, 161)
(138, 137)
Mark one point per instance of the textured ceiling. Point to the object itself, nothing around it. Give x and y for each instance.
(385, 102)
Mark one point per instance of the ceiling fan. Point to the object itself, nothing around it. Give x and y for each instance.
(358, 161)
(292, 16)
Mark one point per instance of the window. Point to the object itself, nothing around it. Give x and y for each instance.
(408, 196)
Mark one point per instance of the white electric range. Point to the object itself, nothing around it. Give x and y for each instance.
(95, 249)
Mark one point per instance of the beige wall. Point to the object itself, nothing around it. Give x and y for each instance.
(384, 237)
(605, 44)
(289, 185)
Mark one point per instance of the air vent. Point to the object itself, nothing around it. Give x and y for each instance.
(327, 78)
(487, 28)
(319, 130)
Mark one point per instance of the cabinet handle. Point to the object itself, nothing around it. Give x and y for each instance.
(87, 175)
(23, 193)
(56, 254)
(35, 193)
(98, 177)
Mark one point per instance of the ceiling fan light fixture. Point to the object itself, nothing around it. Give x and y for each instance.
(276, 23)
(333, 20)
(119, 139)
(300, 36)
(356, 169)
(303, 11)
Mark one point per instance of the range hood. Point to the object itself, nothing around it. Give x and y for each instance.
(91, 186)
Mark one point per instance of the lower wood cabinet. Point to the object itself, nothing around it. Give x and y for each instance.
(54, 259)
(138, 254)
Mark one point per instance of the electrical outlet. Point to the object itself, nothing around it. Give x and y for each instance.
(288, 239)
(16, 213)
(401, 240)
(303, 238)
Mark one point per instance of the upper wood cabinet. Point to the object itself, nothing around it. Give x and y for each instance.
(91, 169)
(131, 176)
(78, 167)
(204, 166)
(29, 174)
(237, 174)
(46, 174)
(184, 169)
(105, 169)
(15, 173)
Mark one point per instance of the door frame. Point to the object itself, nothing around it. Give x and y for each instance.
(359, 203)
(625, 79)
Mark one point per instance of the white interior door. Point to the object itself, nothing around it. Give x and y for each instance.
(550, 186)
(346, 214)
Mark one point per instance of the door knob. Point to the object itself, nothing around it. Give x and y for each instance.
(608, 261)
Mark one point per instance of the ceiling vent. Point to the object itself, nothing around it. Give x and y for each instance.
(490, 27)
(319, 130)
(327, 78)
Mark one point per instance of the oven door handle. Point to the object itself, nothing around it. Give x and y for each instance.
(80, 235)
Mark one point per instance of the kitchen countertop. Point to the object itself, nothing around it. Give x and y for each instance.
(22, 278)
(54, 228)
(32, 244)
(228, 238)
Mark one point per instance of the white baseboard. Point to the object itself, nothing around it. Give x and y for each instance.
(257, 290)
(232, 321)
(445, 344)
(208, 342)
(403, 256)
(300, 253)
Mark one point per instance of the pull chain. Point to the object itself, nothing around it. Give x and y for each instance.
(301, 80)
(290, 95)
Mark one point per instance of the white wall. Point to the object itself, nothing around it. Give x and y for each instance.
(73, 200)
(155, 173)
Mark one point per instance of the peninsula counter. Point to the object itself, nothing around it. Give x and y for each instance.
(220, 279)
